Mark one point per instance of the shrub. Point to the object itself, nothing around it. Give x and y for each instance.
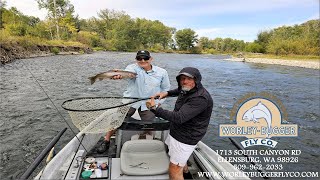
(98, 49)
(90, 38)
(195, 50)
(55, 50)
(17, 29)
(210, 51)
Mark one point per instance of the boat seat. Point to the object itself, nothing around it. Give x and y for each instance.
(144, 157)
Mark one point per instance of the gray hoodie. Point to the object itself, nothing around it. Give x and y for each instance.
(191, 115)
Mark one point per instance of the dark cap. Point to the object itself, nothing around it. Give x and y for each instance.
(143, 53)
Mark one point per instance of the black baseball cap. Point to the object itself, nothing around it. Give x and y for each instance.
(143, 53)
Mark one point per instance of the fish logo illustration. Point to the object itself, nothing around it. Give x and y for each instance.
(258, 117)
(257, 112)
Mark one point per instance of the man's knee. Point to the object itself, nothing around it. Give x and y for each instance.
(131, 112)
(147, 115)
(175, 172)
(185, 169)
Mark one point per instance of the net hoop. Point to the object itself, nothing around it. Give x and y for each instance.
(66, 104)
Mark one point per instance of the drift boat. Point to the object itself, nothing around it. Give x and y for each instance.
(132, 156)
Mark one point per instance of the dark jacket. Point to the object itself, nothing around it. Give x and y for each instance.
(191, 115)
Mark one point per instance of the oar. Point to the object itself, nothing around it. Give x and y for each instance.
(42, 155)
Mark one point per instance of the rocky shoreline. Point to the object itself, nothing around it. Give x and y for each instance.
(11, 52)
(312, 64)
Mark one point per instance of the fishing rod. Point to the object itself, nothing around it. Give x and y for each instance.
(53, 104)
(54, 141)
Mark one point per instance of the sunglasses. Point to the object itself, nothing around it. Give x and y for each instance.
(140, 58)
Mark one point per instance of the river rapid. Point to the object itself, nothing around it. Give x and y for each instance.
(29, 120)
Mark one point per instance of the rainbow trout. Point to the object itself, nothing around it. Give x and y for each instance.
(111, 73)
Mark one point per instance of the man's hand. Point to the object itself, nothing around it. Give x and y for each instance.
(161, 95)
(117, 77)
(151, 103)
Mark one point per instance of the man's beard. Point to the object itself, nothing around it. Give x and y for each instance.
(184, 88)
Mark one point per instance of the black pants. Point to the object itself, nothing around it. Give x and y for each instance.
(145, 115)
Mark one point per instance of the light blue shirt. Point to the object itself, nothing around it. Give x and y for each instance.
(146, 84)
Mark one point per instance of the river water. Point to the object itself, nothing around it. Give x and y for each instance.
(29, 120)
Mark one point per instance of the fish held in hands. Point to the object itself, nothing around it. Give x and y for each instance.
(110, 74)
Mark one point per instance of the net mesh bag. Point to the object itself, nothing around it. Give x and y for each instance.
(88, 118)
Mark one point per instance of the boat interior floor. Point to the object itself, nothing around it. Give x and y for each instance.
(111, 152)
(115, 165)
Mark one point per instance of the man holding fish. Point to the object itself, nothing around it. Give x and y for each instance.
(145, 80)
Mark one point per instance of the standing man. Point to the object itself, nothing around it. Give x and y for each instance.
(150, 79)
(189, 119)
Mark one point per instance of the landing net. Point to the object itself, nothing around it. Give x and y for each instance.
(87, 117)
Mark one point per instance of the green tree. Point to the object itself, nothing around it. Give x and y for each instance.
(68, 25)
(221, 45)
(263, 39)
(153, 33)
(107, 21)
(2, 9)
(11, 16)
(227, 45)
(298, 39)
(218, 44)
(239, 45)
(145, 31)
(125, 33)
(18, 24)
(61, 13)
(254, 47)
(204, 43)
(186, 39)
(41, 29)
(160, 34)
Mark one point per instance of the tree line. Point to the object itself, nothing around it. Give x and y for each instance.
(118, 31)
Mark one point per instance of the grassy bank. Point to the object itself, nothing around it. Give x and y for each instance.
(26, 41)
(19, 47)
